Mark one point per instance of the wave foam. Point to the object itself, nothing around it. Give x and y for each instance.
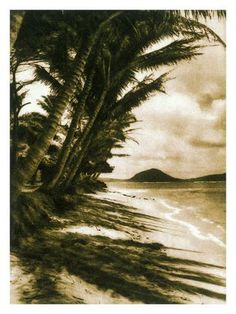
(193, 229)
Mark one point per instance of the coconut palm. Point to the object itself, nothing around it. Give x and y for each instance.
(37, 151)
(172, 53)
(183, 50)
(125, 36)
(30, 125)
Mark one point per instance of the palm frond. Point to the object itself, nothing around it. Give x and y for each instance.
(179, 50)
(206, 14)
(205, 31)
(135, 98)
(42, 75)
(46, 103)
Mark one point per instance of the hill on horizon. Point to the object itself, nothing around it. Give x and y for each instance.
(155, 175)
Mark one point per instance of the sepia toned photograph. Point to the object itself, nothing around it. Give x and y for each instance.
(117, 156)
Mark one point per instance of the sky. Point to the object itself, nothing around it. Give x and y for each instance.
(181, 132)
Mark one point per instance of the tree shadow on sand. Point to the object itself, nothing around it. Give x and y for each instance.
(141, 272)
(108, 214)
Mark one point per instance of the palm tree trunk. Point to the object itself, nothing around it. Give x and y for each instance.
(79, 161)
(83, 143)
(39, 149)
(16, 22)
(23, 174)
(14, 141)
(14, 122)
(66, 149)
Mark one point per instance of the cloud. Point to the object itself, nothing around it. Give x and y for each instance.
(176, 136)
(208, 144)
(183, 132)
(203, 78)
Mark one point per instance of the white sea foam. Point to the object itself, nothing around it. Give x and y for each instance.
(193, 229)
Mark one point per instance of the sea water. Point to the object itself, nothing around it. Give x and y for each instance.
(193, 214)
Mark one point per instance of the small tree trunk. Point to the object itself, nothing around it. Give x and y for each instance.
(14, 112)
(83, 143)
(79, 161)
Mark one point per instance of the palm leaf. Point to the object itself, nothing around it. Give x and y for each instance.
(41, 74)
(135, 98)
(173, 53)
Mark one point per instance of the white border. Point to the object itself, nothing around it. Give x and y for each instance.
(121, 4)
(5, 6)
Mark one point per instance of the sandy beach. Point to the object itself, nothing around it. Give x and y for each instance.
(116, 247)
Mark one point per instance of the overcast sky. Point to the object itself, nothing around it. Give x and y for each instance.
(183, 132)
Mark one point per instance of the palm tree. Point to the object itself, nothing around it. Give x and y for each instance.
(77, 115)
(25, 172)
(122, 38)
(30, 125)
(172, 53)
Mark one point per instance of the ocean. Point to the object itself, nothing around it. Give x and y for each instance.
(193, 214)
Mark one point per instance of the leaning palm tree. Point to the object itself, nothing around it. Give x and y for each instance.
(125, 37)
(170, 54)
(37, 151)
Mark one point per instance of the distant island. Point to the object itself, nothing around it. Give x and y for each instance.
(155, 175)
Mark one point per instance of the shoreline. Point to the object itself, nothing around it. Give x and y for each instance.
(129, 253)
(168, 212)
